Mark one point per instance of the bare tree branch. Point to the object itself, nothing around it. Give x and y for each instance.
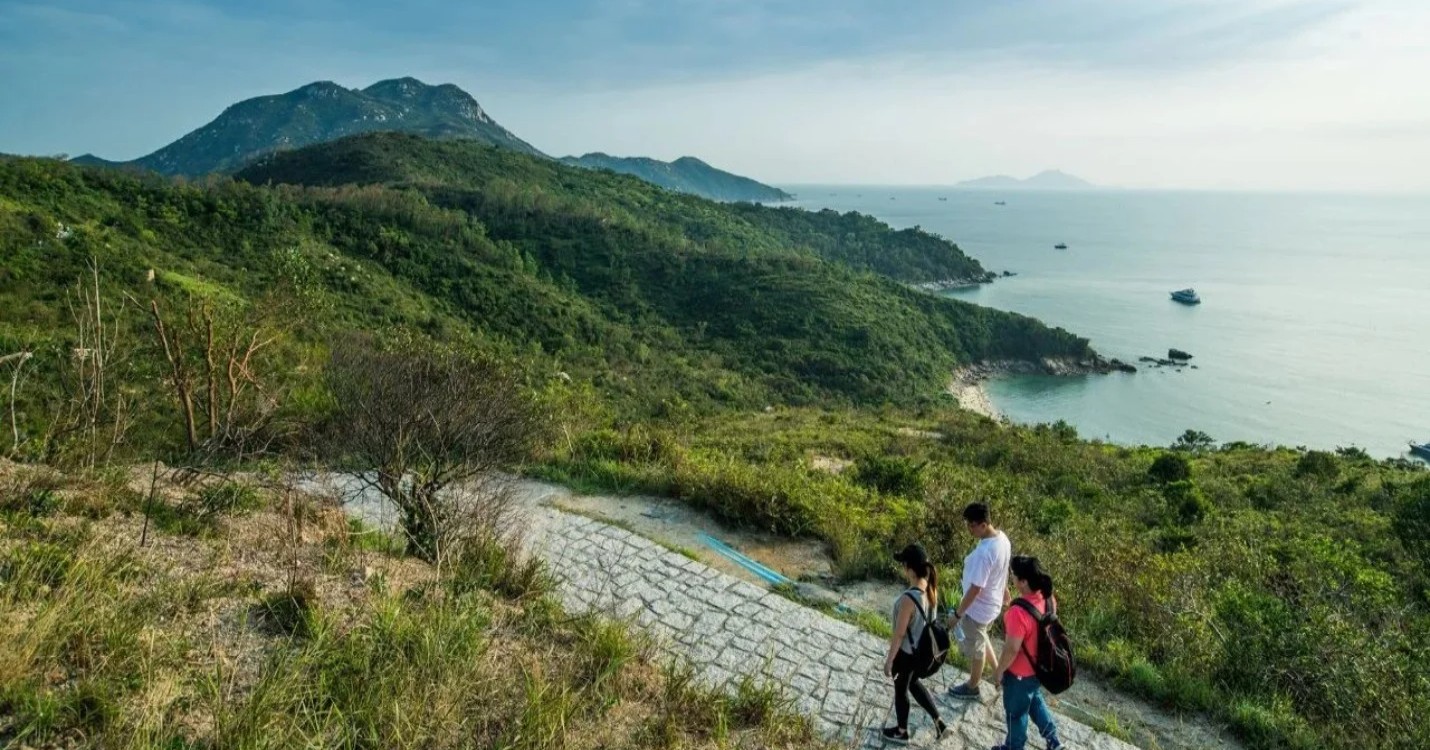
(432, 431)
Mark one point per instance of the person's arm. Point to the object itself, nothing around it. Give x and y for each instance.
(1011, 646)
(964, 604)
(901, 627)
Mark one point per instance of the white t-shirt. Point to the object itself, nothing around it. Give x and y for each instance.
(987, 566)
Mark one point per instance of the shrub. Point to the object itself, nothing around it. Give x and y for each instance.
(290, 611)
(31, 492)
(1186, 501)
(1412, 522)
(1318, 465)
(896, 475)
(1051, 515)
(226, 499)
(490, 563)
(1170, 467)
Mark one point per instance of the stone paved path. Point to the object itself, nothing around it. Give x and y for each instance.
(730, 629)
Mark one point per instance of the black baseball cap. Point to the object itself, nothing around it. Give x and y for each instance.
(913, 556)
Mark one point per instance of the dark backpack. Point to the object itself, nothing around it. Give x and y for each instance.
(1054, 666)
(932, 649)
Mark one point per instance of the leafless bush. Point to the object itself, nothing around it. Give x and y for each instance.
(433, 430)
(16, 362)
(219, 373)
(93, 417)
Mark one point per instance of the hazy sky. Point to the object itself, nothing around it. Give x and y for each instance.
(1314, 94)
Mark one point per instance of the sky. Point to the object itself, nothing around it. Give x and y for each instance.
(1204, 94)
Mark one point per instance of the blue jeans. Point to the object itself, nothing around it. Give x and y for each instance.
(1022, 698)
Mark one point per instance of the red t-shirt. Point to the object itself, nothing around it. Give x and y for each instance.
(1019, 624)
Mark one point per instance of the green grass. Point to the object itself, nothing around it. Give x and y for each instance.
(865, 620)
(100, 649)
(1153, 575)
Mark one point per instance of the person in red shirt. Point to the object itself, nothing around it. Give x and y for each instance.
(1022, 695)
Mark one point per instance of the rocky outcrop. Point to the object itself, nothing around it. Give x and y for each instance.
(1059, 366)
(1178, 354)
(944, 285)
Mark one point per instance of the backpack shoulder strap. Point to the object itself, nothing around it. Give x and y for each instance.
(1028, 607)
(1037, 616)
(918, 604)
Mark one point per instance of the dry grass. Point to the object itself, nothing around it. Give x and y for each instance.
(107, 643)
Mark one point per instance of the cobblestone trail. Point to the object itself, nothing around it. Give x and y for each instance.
(730, 629)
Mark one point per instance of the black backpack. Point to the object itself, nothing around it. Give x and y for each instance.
(1054, 666)
(932, 649)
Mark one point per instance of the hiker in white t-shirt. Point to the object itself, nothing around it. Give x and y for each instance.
(985, 593)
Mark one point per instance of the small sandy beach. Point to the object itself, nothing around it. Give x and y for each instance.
(967, 387)
(973, 397)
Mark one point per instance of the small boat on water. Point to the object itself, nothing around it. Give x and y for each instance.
(1420, 449)
(1187, 296)
(942, 198)
(1060, 246)
(1000, 203)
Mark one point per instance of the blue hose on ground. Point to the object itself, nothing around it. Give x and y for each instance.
(726, 550)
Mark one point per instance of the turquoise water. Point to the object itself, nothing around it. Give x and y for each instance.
(1314, 328)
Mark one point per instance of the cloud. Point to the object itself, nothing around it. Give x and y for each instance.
(1208, 93)
(1324, 108)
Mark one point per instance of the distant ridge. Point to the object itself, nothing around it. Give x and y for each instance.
(1051, 179)
(323, 111)
(319, 112)
(687, 175)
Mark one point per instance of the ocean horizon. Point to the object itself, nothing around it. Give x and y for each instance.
(1306, 335)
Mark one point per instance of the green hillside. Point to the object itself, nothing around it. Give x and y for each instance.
(1282, 591)
(686, 174)
(659, 299)
(497, 186)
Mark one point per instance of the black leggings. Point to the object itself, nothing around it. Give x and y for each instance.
(904, 683)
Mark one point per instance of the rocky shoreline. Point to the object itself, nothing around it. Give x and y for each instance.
(1093, 365)
(967, 384)
(947, 284)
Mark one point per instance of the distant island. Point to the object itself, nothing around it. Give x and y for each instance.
(686, 175)
(1051, 179)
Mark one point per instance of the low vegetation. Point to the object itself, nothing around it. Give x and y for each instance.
(1283, 591)
(255, 637)
(645, 341)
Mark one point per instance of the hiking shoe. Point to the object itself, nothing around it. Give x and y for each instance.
(940, 729)
(896, 735)
(1057, 745)
(963, 692)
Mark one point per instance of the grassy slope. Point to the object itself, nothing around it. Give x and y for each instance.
(228, 631)
(659, 301)
(1282, 591)
(858, 241)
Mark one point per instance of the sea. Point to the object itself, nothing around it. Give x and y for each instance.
(1314, 327)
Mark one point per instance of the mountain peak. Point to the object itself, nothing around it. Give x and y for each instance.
(406, 86)
(324, 111)
(320, 88)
